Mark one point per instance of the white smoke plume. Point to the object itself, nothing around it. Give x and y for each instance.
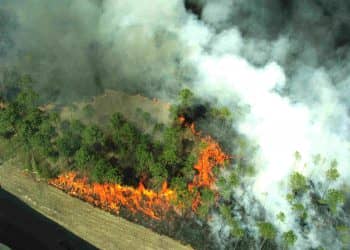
(311, 119)
(286, 61)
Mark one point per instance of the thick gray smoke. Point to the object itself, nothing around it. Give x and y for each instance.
(285, 61)
(288, 61)
(78, 48)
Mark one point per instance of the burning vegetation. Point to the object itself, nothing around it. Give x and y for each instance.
(121, 166)
(161, 174)
(111, 197)
(154, 204)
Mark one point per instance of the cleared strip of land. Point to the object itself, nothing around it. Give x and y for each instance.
(103, 230)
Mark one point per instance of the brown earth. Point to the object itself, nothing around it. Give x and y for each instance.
(101, 229)
(128, 105)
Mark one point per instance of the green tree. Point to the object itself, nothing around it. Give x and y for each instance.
(68, 144)
(144, 160)
(186, 96)
(234, 179)
(236, 230)
(26, 100)
(267, 232)
(334, 199)
(221, 113)
(82, 157)
(184, 196)
(29, 125)
(332, 173)
(170, 155)
(7, 122)
(117, 120)
(92, 135)
(125, 136)
(344, 234)
(289, 238)
(207, 201)
(42, 140)
(76, 127)
(300, 210)
(103, 171)
(187, 169)
(297, 182)
(281, 216)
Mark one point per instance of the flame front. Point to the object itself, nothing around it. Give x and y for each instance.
(112, 197)
(209, 157)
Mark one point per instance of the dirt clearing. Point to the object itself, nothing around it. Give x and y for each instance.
(101, 229)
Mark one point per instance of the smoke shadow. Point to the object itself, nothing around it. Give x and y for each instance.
(21, 227)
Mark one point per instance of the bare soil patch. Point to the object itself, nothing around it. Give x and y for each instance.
(101, 229)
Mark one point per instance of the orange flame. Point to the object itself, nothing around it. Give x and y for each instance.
(209, 157)
(112, 197)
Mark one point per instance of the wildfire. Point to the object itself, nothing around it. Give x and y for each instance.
(209, 157)
(112, 197)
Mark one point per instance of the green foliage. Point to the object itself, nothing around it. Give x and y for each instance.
(184, 197)
(297, 182)
(290, 197)
(26, 100)
(125, 136)
(68, 144)
(169, 155)
(88, 149)
(267, 230)
(186, 97)
(82, 157)
(144, 161)
(147, 116)
(207, 196)
(234, 179)
(7, 120)
(344, 233)
(158, 127)
(281, 216)
(117, 120)
(187, 170)
(203, 211)
(157, 170)
(300, 210)
(103, 171)
(332, 173)
(334, 198)
(207, 201)
(224, 188)
(92, 135)
(236, 230)
(289, 238)
(221, 113)
(76, 127)
(45, 132)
